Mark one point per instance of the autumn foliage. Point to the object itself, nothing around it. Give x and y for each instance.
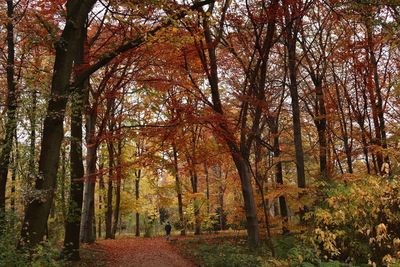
(278, 118)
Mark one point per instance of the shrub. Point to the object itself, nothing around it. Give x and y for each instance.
(225, 255)
(44, 255)
(358, 221)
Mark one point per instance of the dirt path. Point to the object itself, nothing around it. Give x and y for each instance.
(142, 252)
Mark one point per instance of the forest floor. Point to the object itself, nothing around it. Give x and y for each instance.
(138, 252)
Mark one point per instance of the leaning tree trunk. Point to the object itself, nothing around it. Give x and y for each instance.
(38, 209)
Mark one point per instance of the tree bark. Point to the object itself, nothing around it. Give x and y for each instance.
(291, 36)
(14, 168)
(11, 122)
(239, 157)
(109, 232)
(138, 174)
(118, 188)
(273, 124)
(101, 200)
(377, 105)
(207, 187)
(32, 136)
(178, 190)
(37, 211)
(88, 232)
(73, 220)
(194, 180)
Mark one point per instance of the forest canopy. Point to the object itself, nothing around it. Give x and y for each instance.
(271, 117)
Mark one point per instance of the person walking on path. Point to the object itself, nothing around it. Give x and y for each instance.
(168, 230)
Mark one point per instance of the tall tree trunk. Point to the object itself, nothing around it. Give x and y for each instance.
(37, 211)
(196, 206)
(273, 124)
(138, 174)
(118, 188)
(320, 123)
(63, 175)
(178, 187)
(207, 187)
(260, 182)
(344, 131)
(73, 220)
(291, 36)
(11, 122)
(379, 119)
(88, 233)
(117, 207)
(221, 192)
(14, 164)
(101, 199)
(248, 198)
(109, 212)
(32, 136)
(239, 157)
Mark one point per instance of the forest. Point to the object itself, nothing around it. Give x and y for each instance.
(266, 132)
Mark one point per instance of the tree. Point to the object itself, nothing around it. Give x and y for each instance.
(11, 123)
(37, 211)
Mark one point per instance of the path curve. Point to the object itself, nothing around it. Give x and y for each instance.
(142, 252)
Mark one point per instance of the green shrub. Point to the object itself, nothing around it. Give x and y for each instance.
(296, 251)
(44, 255)
(225, 255)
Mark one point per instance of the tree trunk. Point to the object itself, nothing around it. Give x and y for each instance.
(14, 164)
(320, 123)
(32, 136)
(63, 175)
(109, 233)
(248, 198)
(101, 200)
(291, 35)
(178, 188)
(194, 180)
(118, 189)
(88, 233)
(207, 187)
(11, 122)
(279, 172)
(237, 155)
(37, 211)
(379, 119)
(138, 175)
(73, 220)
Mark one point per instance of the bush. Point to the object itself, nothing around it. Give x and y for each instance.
(225, 255)
(44, 255)
(358, 221)
(295, 251)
